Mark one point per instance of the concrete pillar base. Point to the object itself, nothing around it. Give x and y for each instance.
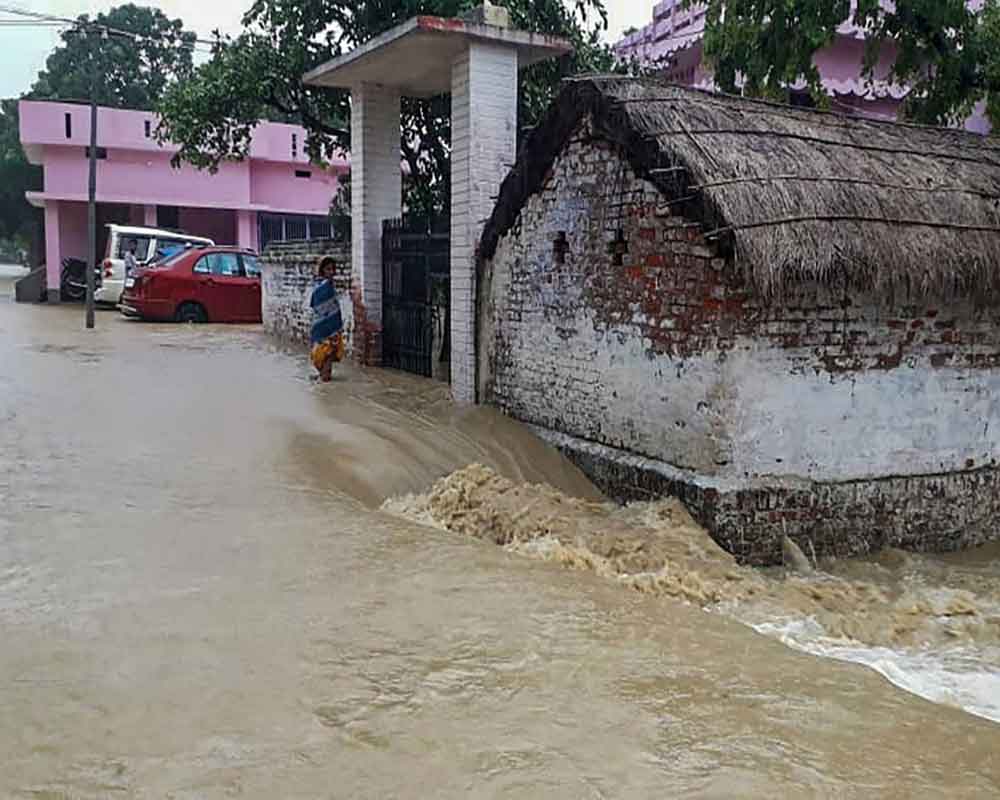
(367, 335)
(53, 296)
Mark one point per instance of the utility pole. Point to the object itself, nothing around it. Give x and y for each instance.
(92, 183)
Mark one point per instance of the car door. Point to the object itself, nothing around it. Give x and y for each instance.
(252, 296)
(220, 286)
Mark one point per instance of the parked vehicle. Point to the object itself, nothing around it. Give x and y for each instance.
(73, 280)
(210, 284)
(152, 244)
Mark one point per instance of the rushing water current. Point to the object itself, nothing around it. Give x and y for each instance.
(220, 579)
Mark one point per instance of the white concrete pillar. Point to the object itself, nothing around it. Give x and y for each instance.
(53, 250)
(483, 148)
(376, 190)
(149, 216)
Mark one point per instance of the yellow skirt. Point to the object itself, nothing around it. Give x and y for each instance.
(332, 348)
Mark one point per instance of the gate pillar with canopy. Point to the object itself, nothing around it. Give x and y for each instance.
(476, 59)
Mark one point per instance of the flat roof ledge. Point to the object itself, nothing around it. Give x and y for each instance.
(427, 46)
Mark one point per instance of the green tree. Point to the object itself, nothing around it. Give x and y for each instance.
(989, 59)
(257, 75)
(947, 52)
(17, 176)
(134, 70)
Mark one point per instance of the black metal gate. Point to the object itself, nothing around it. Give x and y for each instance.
(416, 295)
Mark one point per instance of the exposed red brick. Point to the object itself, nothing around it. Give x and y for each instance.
(367, 334)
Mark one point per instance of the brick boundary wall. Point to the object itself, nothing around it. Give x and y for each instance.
(288, 278)
(922, 513)
(610, 323)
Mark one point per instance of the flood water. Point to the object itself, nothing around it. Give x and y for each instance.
(201, 597)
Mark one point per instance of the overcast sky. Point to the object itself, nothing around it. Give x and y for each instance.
(23, 50)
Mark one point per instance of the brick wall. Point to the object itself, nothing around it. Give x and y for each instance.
(579, 343)
(926, 513)
(605, 316)
(288, 278)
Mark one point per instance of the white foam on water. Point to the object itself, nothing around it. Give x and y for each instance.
(964, 678)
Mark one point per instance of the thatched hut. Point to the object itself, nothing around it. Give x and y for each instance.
(788, 317)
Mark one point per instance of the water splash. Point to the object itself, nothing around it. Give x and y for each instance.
(930, 629)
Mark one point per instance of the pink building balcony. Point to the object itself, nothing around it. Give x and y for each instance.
(276, 189)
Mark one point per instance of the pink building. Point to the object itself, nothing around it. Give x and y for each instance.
(275, 194)
(674, 40)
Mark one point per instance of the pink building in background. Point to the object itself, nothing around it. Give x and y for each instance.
(674, 40)
(275, 194)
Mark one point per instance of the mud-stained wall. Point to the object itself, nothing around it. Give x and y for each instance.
(864, 390)
(289, 276)
(606, 316)
(580, 314)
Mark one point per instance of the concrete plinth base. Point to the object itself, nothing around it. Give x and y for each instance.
(31, 288)
(921, 513)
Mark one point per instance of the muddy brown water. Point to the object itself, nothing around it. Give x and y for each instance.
(200, 598)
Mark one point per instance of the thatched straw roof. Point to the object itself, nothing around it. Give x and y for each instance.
(793, 194)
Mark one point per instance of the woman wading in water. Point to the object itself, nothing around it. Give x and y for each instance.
(326, 337)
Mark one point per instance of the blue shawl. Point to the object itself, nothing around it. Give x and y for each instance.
(325, 304)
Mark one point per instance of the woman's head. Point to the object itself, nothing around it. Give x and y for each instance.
(327, 267)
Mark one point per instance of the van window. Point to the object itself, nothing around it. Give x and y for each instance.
(165, 248)
(141, 250)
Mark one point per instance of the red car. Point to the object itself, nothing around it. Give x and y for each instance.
(203, 284)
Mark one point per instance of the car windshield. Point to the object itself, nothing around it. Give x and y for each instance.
(169, 260)
(165, 248)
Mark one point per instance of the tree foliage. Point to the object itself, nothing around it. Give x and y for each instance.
(17, 176)
(257, 75)
(134, 70)
(945, 50)
(989, 48)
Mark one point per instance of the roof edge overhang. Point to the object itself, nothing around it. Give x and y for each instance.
(435, 38)
(40, 199)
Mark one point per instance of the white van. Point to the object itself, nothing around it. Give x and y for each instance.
(152, 244)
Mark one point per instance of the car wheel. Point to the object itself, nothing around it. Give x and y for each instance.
(191, 312)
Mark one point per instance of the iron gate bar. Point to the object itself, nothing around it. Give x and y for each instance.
(415, 286)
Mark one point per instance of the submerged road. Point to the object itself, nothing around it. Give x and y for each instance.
(199, 599)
